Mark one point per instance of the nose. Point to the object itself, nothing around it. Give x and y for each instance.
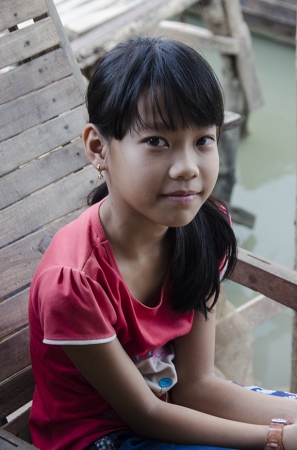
(185, 164)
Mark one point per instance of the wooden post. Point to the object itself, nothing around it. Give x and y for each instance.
(293, 386)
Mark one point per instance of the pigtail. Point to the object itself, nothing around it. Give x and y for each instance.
(204, 249)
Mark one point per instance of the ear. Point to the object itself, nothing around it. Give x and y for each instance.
(95, 145)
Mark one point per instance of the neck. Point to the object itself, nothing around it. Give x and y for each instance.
(130, 235)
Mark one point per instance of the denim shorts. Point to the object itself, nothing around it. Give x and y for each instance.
(128, 440)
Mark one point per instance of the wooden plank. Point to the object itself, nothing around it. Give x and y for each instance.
(16, 11)
(231, 120)
(66, 46)
(41, 172)
(19, 262)
(144, 18)
(36, 107)
(34, 75)
(278, 11)
(9, 441)
(88, 17)
(245, 59)
(264, 276)
(76, 10)
(68, 6)
(46, 205)
(22, 44)
(20, 428)
(259, 310)
(14, 354)
(14, 313)
(16, 392)
(275, 29)
(41, 139)
(195, 36)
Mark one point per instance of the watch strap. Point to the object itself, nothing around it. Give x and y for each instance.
(274, 439)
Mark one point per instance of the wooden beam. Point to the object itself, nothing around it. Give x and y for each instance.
(245, 59)
(270, 279)
(18, 427)
(14, 12)
(259, 310)
(195, 36)
(142, 19)
(10, 442)
(231, 120)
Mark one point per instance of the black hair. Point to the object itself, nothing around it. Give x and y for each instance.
(182, 90)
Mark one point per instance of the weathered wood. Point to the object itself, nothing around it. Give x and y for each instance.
(41, 172)
(16, 11)
(14, 313)
(259, 310)
(268, 278)
(14, 353)
(66, 46)
(143, 18)
(214, 16)
(279, 11)
(195, 36)
(22, 44)
(75, 9)
(90, 15)
(10, 442)
(16, 392)
(46, 137)
(275, 19)
(245, 59)
(19, 261)
(34, 75)
(33, 212)
(241, 216)
(234, 340)
(19, 427)
(42, 116)
(231, 120)
(36, 107)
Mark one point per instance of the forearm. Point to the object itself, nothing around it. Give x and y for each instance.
(180, 425)
(222, 398)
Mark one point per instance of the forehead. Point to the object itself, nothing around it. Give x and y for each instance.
(155, 112)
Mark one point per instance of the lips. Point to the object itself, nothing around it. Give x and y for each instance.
(181, 197)
(180, 194)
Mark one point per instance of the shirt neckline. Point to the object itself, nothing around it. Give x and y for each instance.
(105, 242)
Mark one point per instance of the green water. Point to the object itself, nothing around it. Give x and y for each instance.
(265, 186)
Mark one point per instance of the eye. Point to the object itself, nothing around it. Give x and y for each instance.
(205, 140)
(157, 142)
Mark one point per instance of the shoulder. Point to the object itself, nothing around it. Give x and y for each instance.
(74, 244)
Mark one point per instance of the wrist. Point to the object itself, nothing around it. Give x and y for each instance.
(274, 440)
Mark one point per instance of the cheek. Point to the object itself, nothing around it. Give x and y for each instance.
(212, 168)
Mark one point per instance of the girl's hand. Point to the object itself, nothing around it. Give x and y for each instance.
(290, 437)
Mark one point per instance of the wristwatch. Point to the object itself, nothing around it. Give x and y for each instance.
(274, 439)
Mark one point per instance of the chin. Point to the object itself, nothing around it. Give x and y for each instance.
(179, 222)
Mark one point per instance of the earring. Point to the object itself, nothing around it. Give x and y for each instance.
(100, 175)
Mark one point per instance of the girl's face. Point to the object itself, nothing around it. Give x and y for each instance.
(162, 176)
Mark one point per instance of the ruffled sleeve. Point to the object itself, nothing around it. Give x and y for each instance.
(73, 308)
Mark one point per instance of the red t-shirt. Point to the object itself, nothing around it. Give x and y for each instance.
(78, 296)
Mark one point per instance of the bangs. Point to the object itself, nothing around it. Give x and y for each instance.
(166, 108)
(176, 84)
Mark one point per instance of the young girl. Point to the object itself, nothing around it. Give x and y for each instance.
(122, 313)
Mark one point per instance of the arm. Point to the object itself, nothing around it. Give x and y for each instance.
(122, 385)
(198, 387)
